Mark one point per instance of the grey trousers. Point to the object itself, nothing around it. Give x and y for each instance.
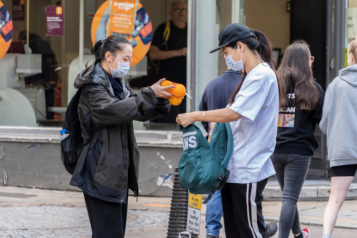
(291, 171)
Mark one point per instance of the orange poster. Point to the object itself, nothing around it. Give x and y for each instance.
(6, 30)
(137, 28)
(122, 17)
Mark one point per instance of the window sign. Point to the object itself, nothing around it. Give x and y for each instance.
(18, 10)
(120, 18)
(54, 20)
(351, 22)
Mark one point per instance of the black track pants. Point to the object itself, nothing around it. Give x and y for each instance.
(107, 219)
(242, 210)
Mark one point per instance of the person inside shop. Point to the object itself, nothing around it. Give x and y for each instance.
(168, 52)
(48, 78)
(253, 110)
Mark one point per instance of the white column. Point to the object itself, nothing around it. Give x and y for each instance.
(191, 53)
(235, 11)
(206, 39)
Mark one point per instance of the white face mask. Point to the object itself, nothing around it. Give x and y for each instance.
(236, 66)
(122, 70)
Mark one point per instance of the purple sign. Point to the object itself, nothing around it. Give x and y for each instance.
(18, 10)
(54, 20)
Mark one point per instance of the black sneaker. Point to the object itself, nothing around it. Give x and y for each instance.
(271, 229)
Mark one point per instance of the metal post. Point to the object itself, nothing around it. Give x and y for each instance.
(28, 23)
(339, 29)
(330, 69)
(191, 54)
(329, 42)
(81, 32)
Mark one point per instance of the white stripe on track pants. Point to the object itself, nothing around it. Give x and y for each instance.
(242, 209)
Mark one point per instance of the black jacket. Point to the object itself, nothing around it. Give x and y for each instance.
(108, 165)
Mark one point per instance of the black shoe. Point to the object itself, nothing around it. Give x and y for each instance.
(210, 236)
(271, 229)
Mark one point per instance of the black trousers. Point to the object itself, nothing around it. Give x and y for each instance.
(242, 210)
(107, 219)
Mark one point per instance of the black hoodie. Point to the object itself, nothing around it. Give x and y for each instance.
(296, 128)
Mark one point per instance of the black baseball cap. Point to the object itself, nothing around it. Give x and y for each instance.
(232, 33)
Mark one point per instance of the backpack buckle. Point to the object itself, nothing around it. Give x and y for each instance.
(220, 176)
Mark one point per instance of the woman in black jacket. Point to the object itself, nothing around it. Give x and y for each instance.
(106, 168)
(301, 109)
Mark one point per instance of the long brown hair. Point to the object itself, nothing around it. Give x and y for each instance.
(296, 71)
(259, 45)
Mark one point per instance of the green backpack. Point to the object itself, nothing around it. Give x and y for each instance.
(203, 166)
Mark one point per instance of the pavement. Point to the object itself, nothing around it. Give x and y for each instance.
(26, 212)
(311, 190)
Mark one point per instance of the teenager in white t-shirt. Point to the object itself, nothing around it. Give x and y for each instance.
(253, 111)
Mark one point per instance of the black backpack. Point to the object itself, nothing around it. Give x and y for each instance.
(72, 146)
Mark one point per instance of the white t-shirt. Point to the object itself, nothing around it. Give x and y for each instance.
(254, 134)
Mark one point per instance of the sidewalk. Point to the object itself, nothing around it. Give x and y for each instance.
(312, 190)
(47, 213)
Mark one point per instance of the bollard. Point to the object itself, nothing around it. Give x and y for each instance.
(178, 210)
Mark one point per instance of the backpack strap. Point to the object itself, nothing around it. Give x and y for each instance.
(167, 32)
(221, 180)
(230, 146)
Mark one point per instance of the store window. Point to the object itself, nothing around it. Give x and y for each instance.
(44, 44)
(43, 58)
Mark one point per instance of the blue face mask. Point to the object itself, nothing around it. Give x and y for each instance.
(236, 66)
(122, 70)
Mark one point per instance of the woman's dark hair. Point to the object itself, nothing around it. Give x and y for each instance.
(258, 45)
(295, 70)
(112, 44)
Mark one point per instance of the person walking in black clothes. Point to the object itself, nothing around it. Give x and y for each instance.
(168, 49)
(108, 164)
(301, 110)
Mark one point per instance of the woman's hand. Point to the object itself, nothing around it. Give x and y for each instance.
(160, 92)
(186, 119)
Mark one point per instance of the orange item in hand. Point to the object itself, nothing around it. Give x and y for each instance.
(167, 83)
(178, 92)
(175, 101)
